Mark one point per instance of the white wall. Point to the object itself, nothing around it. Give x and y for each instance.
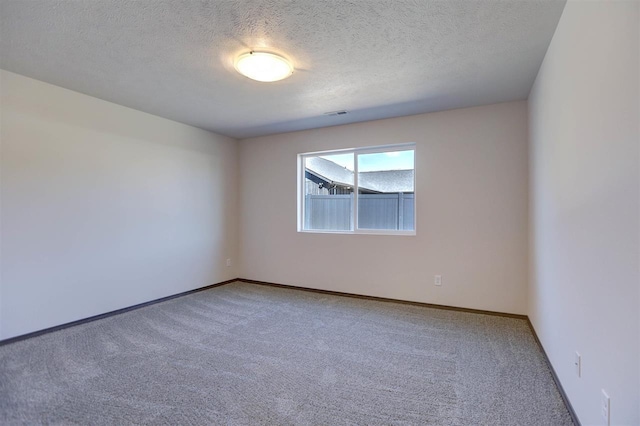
(1, 138)
(471, 180)
(104, 207)
(584, 138)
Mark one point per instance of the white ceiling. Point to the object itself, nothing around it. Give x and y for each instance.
(374, 58)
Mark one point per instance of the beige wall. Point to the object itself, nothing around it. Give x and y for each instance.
(104, 207)
(471, 180)
(584, 292)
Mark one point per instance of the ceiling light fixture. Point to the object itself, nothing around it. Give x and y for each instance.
(263, 66)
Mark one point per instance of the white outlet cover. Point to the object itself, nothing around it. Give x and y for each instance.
(606, 408)
(578, 364)
(437, 280)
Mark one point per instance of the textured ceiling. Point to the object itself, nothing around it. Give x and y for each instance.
(374, 58)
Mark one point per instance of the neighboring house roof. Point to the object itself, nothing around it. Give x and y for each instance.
(382, 181)
(329, 170)
(387, 181)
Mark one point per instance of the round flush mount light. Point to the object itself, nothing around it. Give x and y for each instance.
(263, 66)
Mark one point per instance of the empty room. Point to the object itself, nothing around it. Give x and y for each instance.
(320, 212)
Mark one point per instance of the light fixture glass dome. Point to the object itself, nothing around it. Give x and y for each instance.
(263, 66)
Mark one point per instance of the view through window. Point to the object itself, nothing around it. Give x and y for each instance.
(369, 190)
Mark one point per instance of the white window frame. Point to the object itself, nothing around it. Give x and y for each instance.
(354, 211)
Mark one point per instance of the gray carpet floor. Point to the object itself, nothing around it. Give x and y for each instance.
(245, 354)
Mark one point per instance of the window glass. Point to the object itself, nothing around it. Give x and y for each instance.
(328, 192)
(386, 190)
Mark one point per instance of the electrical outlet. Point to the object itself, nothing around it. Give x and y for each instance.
(578, 364)
(228, 262)
(605, 409)
(437, 280)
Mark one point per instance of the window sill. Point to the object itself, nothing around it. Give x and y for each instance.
(360, 232)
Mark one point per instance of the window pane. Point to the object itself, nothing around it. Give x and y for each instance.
(386, 190)
(328, 192)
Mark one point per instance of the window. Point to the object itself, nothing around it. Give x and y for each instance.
(364, 190)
